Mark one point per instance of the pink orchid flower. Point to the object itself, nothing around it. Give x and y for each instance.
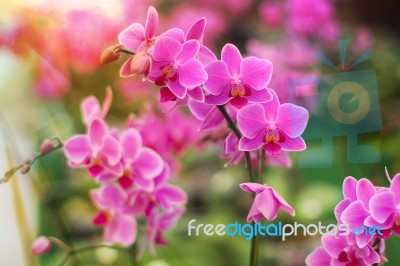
(237, 80)
(119, 228)
(141, 164)
(175, 67)
(384, 207)
(156, 227)
(98, 150)
(267, 202)
(273, 126)
(343, 251)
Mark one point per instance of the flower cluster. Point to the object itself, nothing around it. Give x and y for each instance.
(133, 178)
(233, 88)
(364, 206)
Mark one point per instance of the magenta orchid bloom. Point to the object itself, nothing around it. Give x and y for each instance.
(156, 227)
(273, 126)
(237, 80)
(119, 227)
(175, 67)
(384, 207)
(343, 251)
(98, 150)
(267, 202)
(141, 164)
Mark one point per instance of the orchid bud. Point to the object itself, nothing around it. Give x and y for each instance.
(140, 63)
(25, 168)
(46, 146)
(41, 246)
(110, 54)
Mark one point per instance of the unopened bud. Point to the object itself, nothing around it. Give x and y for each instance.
(140, 63)
(110, 54)
(46, 147)
(41, 246)
(25, 168)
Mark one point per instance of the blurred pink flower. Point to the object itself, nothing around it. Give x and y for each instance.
(342, 250)
(271, 14)
(267, 202)
(119, 228)
(98, 150)
(41, 246)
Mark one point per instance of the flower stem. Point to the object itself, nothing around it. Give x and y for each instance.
(254, 241)
(238, 134)
(73, 252)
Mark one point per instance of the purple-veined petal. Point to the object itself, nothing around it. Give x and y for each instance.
(97, 132)
(354, 215)
(149, 164)
(112, 150)
(196, 94)
(246, 144)
(254, 214)
(199, 110)
(364, 191)
(382, 205)
(77, 149)
(363, 239)
(231, 56)
(166, 49)
(131, 142)
(271, 108)
(132, 37)
(283, 203)
(256, 72)
(189, 51)
(151, 23)
(218, 77)
(349, 188)
(219, 99)
(125, 70)
(267, 204)
(192, 74)
(175, 33)
(253, 187)
(340, 207)
(292, 119)
(205, 55)
(176, 88)
(213, 119)
(197, 30)
(251, 120)
(293, 144)
(260, 96)
(318, 257)
(333, 245)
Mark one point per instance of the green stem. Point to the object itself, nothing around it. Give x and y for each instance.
(73, 252)
(254, 241)
(238, 134)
